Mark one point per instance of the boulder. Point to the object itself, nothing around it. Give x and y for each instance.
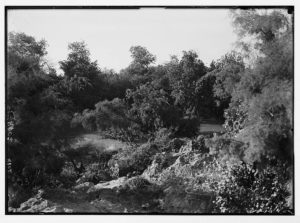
(54, 209)
(40, 205)
(83, 186)
(137, 184)
(34, 205)
(132, 159)
(160, 162)
(187, 148)
(112, 185)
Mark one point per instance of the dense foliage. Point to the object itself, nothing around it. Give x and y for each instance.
(157, 110)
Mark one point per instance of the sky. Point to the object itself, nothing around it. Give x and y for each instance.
(109, 34)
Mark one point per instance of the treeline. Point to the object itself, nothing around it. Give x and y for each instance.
(251, 92)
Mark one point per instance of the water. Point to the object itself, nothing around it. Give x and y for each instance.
(97, 141)
(209, 128)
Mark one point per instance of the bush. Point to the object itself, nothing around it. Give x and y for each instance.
(188, 127)
(247, 190)
(174, 145)
(129, 160)
(17, 195)
(204, 183)
(94, 173)
(68, 175)
(199, 144)
(226, 149)
(163, 135)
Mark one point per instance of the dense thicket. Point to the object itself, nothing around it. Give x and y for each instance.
(250, 91)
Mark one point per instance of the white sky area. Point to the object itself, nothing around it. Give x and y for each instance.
(109, 33)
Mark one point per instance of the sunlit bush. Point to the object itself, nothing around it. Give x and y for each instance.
(247, 190)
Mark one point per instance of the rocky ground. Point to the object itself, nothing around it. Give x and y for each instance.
(147, 192)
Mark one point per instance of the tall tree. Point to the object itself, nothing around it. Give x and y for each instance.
(37, 116)
(139, 70)
(264, 92)
(141, 56)
(183, 76)
(83, 82)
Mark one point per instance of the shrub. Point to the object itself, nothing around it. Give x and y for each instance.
(218, 187)
(131, 160)
(199, 144)
(226, 149)
(174, 145)
(163, 135)
(17, 195)
(68, 175)
(247, 190)
(94, 173)
(188, 127)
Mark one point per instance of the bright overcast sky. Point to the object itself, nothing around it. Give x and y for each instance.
(110, 33)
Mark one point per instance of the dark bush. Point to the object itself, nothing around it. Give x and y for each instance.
(188, 127)
(95, 173)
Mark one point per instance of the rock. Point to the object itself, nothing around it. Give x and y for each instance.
(54, 209)
(40, 193)
(57, 209)
(145, 206)
(110, 185)
(160, 162)
(152, 172)
(106, 206)
(38, 204)
(84, 186)
(184, 164)
(34, 205)
(137, 183)
(68, 210)
(80, 180)
(187, 148)
(10, 209)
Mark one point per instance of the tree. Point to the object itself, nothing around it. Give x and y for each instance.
(78, 62)
(264, 93)
(37, 116)
(83, 83)
(152, 108)
(112, 118)
(183, 76)
(139, 70)
(226, 73)
(141, 56)
(25, 53)
(206, 106)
